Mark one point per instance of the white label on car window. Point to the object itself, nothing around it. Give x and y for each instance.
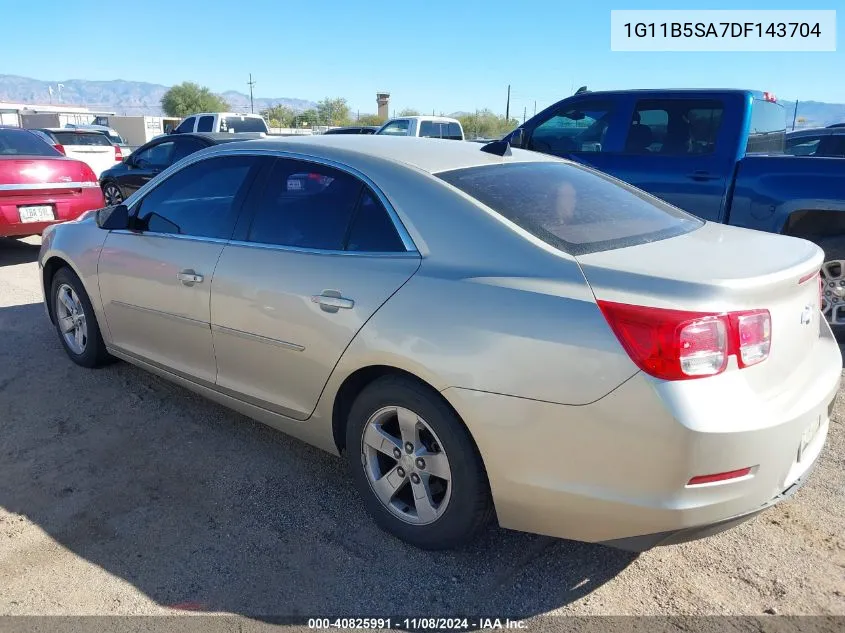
(294, 185)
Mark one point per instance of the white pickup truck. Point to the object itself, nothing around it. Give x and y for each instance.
(224, 122)
(424, 126)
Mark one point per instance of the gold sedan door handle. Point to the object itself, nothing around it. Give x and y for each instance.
(189, 277)
(332, 301)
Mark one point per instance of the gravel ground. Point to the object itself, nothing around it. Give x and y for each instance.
(123, 494)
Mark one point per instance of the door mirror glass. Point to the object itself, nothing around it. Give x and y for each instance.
(113, 218)
(517, 137)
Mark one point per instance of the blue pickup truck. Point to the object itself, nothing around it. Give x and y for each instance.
(715, 153)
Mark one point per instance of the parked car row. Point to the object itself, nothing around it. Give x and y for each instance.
(418, 126)
(149, 160)
(717, 154)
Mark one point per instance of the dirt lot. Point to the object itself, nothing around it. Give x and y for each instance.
(123, 494)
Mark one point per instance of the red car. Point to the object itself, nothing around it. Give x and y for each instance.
(39, 186)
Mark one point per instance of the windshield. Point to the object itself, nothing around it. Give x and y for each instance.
(395, 128)
(574, 209)
(115, 138)
(236, 124)
(24, 143)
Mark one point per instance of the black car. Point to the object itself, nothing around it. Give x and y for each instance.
(353, 129)
(122, 180)
(823, 141)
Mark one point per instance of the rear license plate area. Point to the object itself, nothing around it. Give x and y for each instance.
(809, 435)
(36, 213)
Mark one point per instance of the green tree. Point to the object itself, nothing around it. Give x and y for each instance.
(369, 119)
(486, 124)
(409, 112)
(189, 98)
(307, 118)
(333, 111)
(279, 116)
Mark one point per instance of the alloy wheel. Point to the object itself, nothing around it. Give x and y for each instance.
(406, 466)
(71, 318)
(112, 194)
(833, 291)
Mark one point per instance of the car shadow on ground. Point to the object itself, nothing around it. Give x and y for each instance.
(200, 508)
(17, 252)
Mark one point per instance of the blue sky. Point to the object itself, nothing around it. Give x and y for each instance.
(437, 54)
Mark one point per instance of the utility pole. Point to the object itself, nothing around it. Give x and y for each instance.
(535, 108)
(508, 105)
(795, 114)
(251, 83)
(524, 111)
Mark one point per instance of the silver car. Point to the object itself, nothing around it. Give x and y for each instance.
(477, 329)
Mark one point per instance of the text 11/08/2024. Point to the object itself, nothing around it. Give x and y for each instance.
(729, 30)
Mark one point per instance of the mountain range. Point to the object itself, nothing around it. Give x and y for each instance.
(814, 113)
(118, 95)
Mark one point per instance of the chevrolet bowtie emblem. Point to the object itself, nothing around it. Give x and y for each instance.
(807, 315)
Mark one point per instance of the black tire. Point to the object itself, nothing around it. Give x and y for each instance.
(95, 354)
(470, 506)
(834, 249)
(113, 185)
